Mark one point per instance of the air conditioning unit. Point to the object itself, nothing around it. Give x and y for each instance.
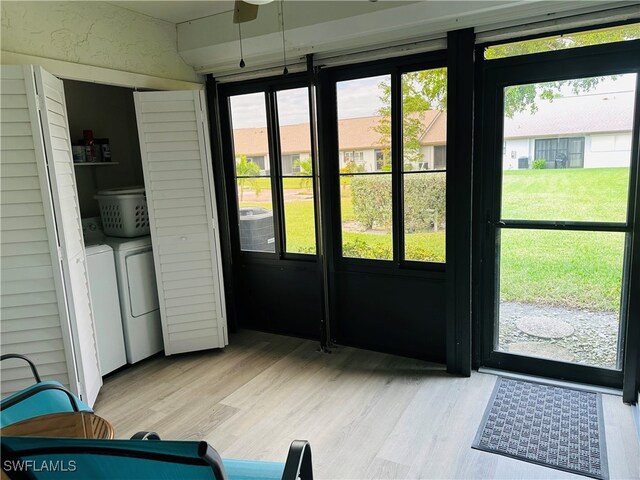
(256, 229)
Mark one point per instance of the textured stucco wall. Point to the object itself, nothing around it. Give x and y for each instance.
(94, 33)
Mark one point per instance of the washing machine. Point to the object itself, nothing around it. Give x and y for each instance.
(139, 304)
(103, 288)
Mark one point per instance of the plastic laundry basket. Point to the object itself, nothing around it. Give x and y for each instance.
(124, 211)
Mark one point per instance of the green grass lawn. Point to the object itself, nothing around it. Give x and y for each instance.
(575, 269)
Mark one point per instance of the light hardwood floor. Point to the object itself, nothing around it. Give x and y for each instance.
(366, 414)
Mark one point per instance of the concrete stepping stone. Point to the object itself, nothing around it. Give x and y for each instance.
(544, 327)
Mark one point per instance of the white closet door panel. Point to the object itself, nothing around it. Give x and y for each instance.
(32, 317)
(57, 144)
(49, 369)
(173, 156)
(20, 183)
(15, 129)
(28, 170)
(183, 174)
(174, 166)
(22, 299)
(21, 196)
(22, 156)
(14, 101)
(30, 248)
(13, 86)
(15, 287)
(23, 261)
(185, 257)
(170, 285)
(13, 223)
(17, 115)
(21, 209)
(28, 311)
(188, 275)
(185, 266)
(174, 142)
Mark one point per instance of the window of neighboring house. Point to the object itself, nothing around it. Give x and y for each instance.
(380, 159)
(560, 152)
(258, 160)
(290, 164)
(439, 157)
(353, 158)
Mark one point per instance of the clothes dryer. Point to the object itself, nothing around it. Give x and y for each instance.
(139, 304)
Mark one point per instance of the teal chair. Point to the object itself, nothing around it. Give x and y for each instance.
(41, 398)
(144, 457)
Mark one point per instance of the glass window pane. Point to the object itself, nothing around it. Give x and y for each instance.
(364, 142)
(565, 41)
(560, 295)
(365, 202)
(252, 170)
(295, 145)
(364, 125)
(424, 119)
(424, 138)
(425, 216)
(567, 149)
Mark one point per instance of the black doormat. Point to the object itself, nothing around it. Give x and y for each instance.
(552, 426)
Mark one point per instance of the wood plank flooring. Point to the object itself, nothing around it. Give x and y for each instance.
(366, 414)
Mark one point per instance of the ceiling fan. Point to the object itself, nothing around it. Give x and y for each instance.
(247, 10)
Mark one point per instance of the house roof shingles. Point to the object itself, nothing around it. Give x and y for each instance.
(601, 113)
(575, 115)
(354, 134)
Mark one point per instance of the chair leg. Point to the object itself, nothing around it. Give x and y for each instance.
(145, 436)
(298, 463)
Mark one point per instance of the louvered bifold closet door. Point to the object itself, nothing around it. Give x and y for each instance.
(176, 159)
(33, 312)
(55, 131)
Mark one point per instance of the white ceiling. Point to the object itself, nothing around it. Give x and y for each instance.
(177, 11)
(207, 39)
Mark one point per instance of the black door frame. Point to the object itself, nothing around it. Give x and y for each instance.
(560, 65)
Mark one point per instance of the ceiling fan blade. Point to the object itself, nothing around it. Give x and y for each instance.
(244, 12)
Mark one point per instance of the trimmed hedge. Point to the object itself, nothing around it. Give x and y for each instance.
(424, 201)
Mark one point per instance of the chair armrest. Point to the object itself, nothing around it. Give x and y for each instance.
(145, 436)
(34, 370)
(39, 387)
(298, 463)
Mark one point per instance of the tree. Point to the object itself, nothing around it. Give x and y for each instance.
(245, 173)
(421, 91)
(427, 89)
(306, 171)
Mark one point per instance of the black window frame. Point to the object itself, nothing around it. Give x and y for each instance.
(269, 87)
(394, 67)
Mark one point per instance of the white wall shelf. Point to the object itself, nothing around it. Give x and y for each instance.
(80, 164)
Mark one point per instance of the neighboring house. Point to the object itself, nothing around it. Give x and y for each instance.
(359, 141)
(586, 131)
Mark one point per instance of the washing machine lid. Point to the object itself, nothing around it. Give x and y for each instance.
(122, 190)
(123, 244)
(97, 249)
